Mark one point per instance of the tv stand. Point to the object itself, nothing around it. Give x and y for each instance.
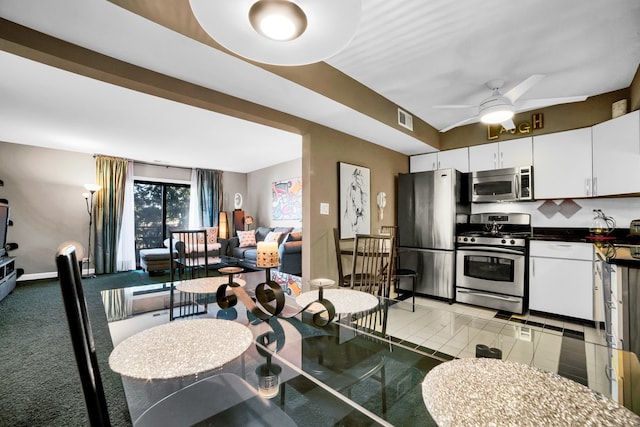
(8, 276)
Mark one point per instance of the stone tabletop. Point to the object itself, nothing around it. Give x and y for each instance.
(206, 285)
(180, 348)
(491, 392)
(344, 300)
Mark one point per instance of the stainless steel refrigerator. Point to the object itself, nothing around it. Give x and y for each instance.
(430, 204)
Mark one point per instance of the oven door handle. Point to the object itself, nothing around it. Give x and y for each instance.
(491, 249)
(482, 294)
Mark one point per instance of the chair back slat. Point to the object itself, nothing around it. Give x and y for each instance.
(81, 335)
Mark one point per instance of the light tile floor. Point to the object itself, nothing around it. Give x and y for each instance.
(456, 329)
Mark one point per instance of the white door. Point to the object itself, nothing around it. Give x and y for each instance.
(423, 162)
(516, 152)
(561, 279)
(561, 286)
(456, 159)
(483, 157)
(616, 155)
(562, 164)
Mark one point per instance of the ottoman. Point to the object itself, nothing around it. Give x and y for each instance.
(156, 259)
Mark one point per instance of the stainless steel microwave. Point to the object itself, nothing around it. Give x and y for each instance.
(502, 185)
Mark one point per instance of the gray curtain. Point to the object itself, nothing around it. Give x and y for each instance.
(111, 175)
(209, 183)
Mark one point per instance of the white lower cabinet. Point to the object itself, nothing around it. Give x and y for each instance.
(561, 278)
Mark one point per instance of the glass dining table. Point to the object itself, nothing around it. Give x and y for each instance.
(294, 372)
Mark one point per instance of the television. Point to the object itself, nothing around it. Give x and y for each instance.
(4, 224)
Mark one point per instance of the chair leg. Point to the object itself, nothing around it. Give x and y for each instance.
(413, 292)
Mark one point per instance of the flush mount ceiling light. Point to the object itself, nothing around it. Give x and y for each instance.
(278, 19)
(280, 32)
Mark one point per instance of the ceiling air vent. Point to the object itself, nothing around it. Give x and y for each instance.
(405, 119)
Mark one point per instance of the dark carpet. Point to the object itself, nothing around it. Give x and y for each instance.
(39, 382)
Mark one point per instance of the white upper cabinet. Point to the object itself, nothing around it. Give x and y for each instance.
(423, 162)
(516, 152)
(456, 159)
(616, 155)
(562, 164)
(498, 155)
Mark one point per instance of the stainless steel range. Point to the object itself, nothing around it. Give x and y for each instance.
(492, 261)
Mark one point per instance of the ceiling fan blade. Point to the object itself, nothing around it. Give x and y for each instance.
(531, 104)
(463, 122)
(508, 124)
(453, 106)
(518, 90)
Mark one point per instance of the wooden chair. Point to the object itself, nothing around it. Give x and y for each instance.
(400, 273)
(370, 272)
(343, 280)
(81, 335)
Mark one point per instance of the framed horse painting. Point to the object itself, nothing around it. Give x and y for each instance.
(355, 195)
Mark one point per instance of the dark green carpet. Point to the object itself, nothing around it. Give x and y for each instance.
(39, 380)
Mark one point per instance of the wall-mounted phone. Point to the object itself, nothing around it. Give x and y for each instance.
(382, 202)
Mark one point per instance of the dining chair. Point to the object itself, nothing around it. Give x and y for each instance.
(192, 262)
(400, 273)
(343, 280)
(370, 272)
(81, 335)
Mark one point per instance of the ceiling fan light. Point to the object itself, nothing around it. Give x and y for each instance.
(498, 116)
(279, 20)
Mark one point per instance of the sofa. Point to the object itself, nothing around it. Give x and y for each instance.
(244, 246)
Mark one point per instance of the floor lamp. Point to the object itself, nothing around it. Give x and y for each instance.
(88, 198)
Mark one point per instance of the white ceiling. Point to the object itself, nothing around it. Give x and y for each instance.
(415, 53)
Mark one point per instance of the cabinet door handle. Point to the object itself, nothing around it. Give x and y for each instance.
(587, 187)
(533, 267)
(438, 164)
(495, 161)
(595, 186)
(501, 159)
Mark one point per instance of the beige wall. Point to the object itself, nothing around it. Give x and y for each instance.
(322, 150)
(44, 188)
(258, 197)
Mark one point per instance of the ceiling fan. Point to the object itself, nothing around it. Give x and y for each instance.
(500, 107)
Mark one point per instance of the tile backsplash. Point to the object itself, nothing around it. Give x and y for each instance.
(568, 213)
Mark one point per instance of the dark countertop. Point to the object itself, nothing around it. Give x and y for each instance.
(619, 247)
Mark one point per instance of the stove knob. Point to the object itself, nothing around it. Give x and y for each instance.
(473, 239)
(513, 242)
(465, 239)
(504, 241)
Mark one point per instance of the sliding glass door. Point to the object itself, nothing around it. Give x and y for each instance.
(159, 207)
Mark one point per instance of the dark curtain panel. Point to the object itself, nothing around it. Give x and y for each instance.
(209, 196)
(111, 175)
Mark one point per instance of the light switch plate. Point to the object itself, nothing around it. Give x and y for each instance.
(324, 208)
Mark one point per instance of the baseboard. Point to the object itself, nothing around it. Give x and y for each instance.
(38, 276)
(47, 275)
